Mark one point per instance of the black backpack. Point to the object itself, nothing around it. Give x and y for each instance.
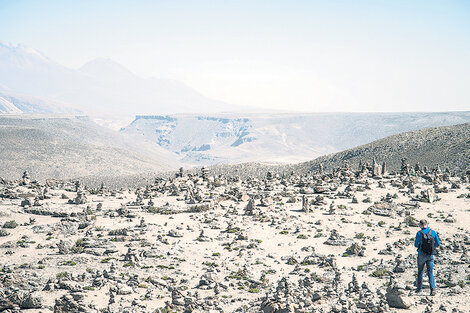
(427, 242)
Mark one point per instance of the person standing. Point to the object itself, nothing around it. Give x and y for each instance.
(426, 242)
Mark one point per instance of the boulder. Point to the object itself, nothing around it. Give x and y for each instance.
(396, 296)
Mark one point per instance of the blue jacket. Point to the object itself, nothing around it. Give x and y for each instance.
(419, 238)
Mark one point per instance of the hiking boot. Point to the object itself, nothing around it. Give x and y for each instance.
(432, 293)
(417, 291)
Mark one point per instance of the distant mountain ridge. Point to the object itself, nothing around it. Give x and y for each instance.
(101, 86)
(106, 69)
(32, 83)
(275, 138)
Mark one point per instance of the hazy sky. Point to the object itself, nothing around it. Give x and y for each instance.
(298, 55)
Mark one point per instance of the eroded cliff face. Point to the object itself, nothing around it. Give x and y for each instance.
(284, 138)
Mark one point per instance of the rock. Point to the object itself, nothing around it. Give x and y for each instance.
(449, 219)
(395, 296)
(316, 296)
(7, 304)
(399, 267)
(64, 246)
(269, 306)
(174, 233)
(26, 179)
(124, 290)
(305, 204)
(336, 240)
(384, 209)
(31, 302)
(26, 203)
(48, 212)
(67, 304)
(80, 198)
(177, 297)
(250, 207)
(355, 249)
(208, 279)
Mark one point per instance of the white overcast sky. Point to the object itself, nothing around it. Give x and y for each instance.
(288, 55)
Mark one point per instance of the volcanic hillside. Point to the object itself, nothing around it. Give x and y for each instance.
(68, 147)
(448, 146)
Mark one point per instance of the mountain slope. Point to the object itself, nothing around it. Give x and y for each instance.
(286, 138)
(100, 86)
(67, 147)
(6, 107)
(16, 104)
(448, 146)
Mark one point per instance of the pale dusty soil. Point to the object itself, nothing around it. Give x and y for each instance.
(181, 261)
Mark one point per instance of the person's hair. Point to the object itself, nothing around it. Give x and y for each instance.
(423, 223)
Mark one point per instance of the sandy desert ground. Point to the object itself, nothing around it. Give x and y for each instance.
(320, 242)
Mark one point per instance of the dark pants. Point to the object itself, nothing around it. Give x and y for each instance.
(427, 260)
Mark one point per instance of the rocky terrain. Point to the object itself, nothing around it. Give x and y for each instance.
(208, 139)
(322, 241)
(73, 146)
